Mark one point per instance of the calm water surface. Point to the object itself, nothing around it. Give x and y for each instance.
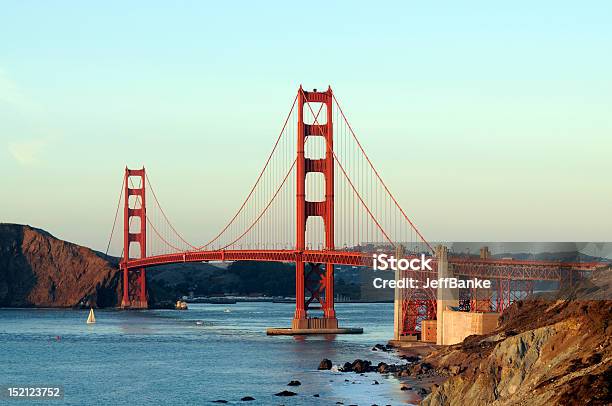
(164, 357)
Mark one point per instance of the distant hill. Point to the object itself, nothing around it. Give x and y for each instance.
(242, 277)
(565, 256)
(37, 269)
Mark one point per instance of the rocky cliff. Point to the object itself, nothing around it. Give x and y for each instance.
(551, 350)
(37, 269)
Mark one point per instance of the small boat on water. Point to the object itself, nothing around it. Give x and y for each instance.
(92, 317)
(227, 311)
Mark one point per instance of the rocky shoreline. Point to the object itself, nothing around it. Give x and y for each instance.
(414, 374)
(547, 350)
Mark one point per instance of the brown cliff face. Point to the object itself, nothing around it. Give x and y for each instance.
(37, 269)
(547, 351)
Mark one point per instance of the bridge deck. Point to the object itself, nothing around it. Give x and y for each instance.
(471, 267)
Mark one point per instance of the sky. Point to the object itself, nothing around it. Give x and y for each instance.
(499, 112)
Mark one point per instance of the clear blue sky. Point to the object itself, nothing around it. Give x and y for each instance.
(502, 111)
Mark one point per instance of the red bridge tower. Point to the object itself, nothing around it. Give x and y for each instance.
(134, 291)
(318, 283)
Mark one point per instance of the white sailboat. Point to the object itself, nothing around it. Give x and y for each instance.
(92, 317)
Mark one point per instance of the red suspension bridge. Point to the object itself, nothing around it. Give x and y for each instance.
(317, 202)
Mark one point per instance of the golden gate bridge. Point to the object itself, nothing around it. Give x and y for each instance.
(317, 202)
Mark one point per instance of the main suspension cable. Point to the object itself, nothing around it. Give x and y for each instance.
(378, 176)
(256, 182)
(115, 220)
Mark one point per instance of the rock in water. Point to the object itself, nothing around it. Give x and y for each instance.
(247, 398)
(360, 366)
(285, 393)
(325, 364)
(294, 383)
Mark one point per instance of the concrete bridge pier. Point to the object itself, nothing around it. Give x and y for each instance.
(445, 296)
